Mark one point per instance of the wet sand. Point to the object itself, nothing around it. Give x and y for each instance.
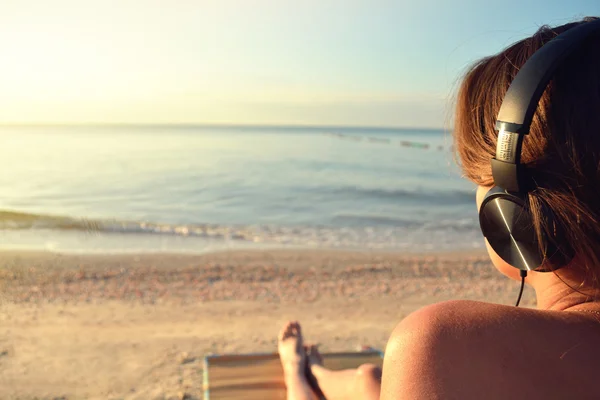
(137, 326)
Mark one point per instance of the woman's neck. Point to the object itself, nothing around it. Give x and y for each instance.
(563, 290)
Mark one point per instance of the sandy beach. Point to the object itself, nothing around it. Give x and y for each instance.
(137, 326)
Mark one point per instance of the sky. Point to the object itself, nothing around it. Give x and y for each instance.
(275, 62)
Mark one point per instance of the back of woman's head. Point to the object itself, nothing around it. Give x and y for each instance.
(562, 150)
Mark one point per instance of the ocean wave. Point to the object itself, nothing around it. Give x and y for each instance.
(372, 220)
(13, 220)
(453, 196)
(352, 231)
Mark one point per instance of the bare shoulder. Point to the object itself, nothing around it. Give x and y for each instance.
(468, 349)
(456, 320)
(435, 350)
(455, 314)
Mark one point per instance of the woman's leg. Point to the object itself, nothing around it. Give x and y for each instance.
(363, 383)
(293, 360)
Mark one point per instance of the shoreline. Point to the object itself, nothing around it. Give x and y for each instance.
(184, 245)
(138, 326)
(258, 249)
(254, 247)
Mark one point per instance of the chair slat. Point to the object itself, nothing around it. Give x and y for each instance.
(260, 376)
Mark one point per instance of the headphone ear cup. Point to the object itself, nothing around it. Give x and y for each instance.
(507, 225)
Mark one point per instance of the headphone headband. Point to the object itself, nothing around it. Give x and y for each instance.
(521, 101)
(504, 216)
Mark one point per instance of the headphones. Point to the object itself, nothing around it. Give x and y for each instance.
(505, 219)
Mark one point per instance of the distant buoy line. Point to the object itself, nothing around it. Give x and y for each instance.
(403, 143)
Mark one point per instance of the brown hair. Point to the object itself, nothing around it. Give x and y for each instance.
(562, 150)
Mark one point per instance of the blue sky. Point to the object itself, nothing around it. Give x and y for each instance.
(309, 62)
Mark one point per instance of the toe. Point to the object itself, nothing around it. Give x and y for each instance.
(296, 328)
(286, 331)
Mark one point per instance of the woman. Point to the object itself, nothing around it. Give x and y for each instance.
(475, 350)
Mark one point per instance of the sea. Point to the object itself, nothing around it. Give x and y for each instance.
(195, 189)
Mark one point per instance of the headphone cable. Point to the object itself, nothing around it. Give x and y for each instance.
(523, 276)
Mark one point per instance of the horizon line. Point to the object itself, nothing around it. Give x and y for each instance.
(213, 125)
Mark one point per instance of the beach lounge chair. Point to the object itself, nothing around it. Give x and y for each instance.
(260, 377)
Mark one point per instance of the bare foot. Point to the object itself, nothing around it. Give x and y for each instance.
(293, 360)
(291, 350)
